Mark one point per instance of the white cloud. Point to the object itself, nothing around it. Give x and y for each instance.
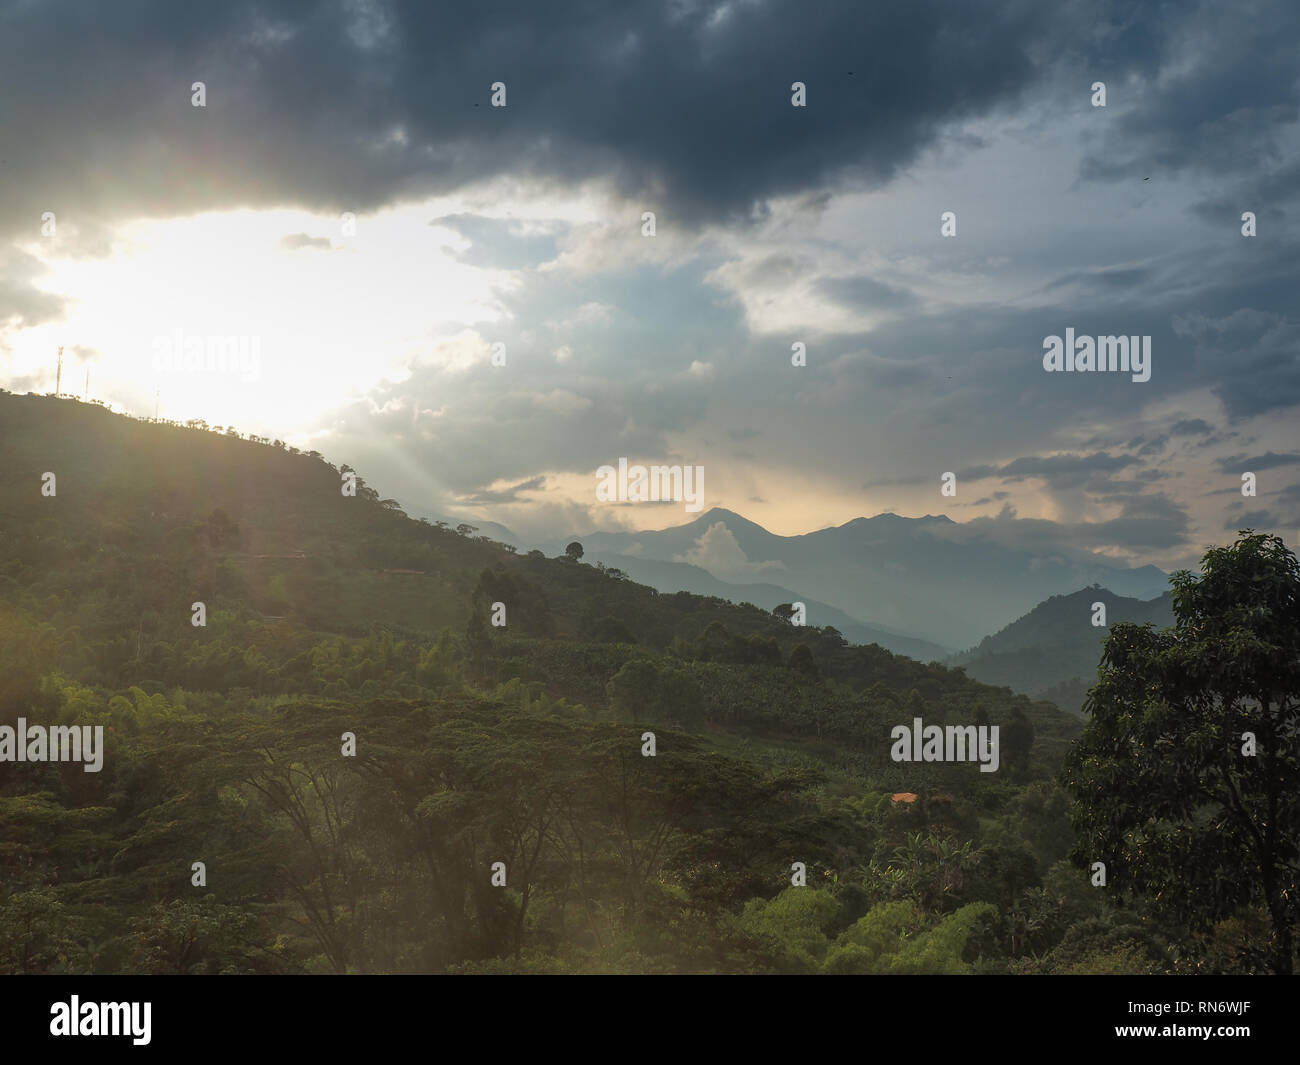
(718, 552)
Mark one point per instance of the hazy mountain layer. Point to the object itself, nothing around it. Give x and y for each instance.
(1052, 652)
(925, 577)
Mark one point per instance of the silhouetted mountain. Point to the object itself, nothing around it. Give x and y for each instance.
(1053, 651)
(683, 577)
(929, 578)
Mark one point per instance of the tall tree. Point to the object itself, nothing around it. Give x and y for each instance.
(1186, 776)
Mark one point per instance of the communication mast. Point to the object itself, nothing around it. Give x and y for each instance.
(58, 379)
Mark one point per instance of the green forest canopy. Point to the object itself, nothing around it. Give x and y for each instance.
(479, 744)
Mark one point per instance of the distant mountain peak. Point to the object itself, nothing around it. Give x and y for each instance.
(722, 514)
(733, 521)
(888, 517)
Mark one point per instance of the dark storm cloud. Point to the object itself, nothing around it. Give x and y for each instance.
(1215, 439)
(1104, 280)
(1138, 501)
(1267, 195)
(684, 107)
(1251, 519)
(1268, 461)
(1061, 468)
(1240, 343)
(1217, 109)
(1266, 374)
(22, 304)
(348, 106)
(1065, 471)
(1289, 496)
(1244, 343)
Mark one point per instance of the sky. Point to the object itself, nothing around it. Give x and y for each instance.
(350, 212)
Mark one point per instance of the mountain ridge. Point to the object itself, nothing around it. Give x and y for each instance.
(1052, 652)
(929, 577)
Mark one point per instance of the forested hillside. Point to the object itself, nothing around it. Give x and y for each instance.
(524, 743)
(1052, 652)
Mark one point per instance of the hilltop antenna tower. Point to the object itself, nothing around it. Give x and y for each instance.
(87, 394)
(58, 379)
(156, 393)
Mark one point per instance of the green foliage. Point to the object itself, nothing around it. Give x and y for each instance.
(38, 935)
(523, 744)
(802, 661)
(648, 691)
(1051, 653)
(789, 931)
(1168, 794)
